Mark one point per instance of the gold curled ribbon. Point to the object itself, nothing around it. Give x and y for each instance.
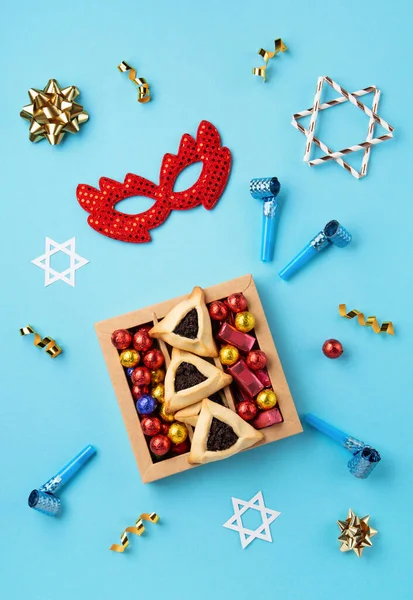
(137, 530)
(386, 327)
(47, 343)
(266, 55)
(144, 93)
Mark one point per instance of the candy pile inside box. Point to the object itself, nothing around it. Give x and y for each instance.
(198, 379)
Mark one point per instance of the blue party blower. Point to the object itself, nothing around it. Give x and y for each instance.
(364, 459)
(333, 233)
(44, 499)
(267, 189)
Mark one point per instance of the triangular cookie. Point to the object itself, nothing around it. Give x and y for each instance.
(189, 379)
(220, 433)
(190, 414)
(188, 326)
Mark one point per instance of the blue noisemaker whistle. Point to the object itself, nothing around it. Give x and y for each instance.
(44, 499)
(267, 189)
(364, 459)
(333, 233)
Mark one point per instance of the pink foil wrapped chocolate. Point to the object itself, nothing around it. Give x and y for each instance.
(240, 340)
(262, 375)
(246, 380)
(239, 393)
(267, 418)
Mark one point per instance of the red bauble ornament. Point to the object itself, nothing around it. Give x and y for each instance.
(247, 410)
(153, 359)
(151, 426)
(138, 390)
(160, 445)
(165, 428)
(256, 360)
(141, 340)
(332, 348)
(180, 448)
(121, 339)
(218, 311)
(141, 376)
(237, 302)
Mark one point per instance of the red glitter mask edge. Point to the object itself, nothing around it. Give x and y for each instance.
(107, 220)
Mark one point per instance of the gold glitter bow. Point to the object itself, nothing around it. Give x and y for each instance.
(53, 112)
(279, 47)
(144, 93)
(47, 343)
(386, 327)
(137, 530)
(355, 534)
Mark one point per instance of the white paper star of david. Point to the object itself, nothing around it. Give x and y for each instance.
(248, 535)
(76, 261)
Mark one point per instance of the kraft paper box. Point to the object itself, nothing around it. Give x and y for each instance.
(151, 470)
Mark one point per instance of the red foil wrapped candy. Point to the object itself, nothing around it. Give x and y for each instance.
(139, 390)
(121, 339)
(237, 302)
(181, 448)
(243, 341)
(264, 377)
(141, 376)
(151, 426)
(160, 445)
(332, 348)
(267, 418)
(246, 379)
(247, 410)
(153, 359)
(142, 341)
(256, 360)
(218, 311)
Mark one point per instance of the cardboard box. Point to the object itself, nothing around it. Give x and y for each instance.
(150, 470)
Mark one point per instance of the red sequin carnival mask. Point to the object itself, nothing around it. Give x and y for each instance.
(101, 203)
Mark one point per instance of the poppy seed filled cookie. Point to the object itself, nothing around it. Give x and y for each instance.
(221, 436)
(187, 375)
(188, 327)
(189, 379)
(220, 433)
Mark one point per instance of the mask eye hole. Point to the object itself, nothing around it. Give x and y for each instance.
(134, 205)
(188, 177)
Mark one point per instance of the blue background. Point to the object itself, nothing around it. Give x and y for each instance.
(198, 59)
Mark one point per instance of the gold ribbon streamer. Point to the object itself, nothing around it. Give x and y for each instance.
(266, 55)
(386, 327)
(137, 530)
(47, 343)
(144, 93)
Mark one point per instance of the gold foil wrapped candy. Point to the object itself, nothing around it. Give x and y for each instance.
(228, 355)
(177, 433)
(129, 358)
(158, 392)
